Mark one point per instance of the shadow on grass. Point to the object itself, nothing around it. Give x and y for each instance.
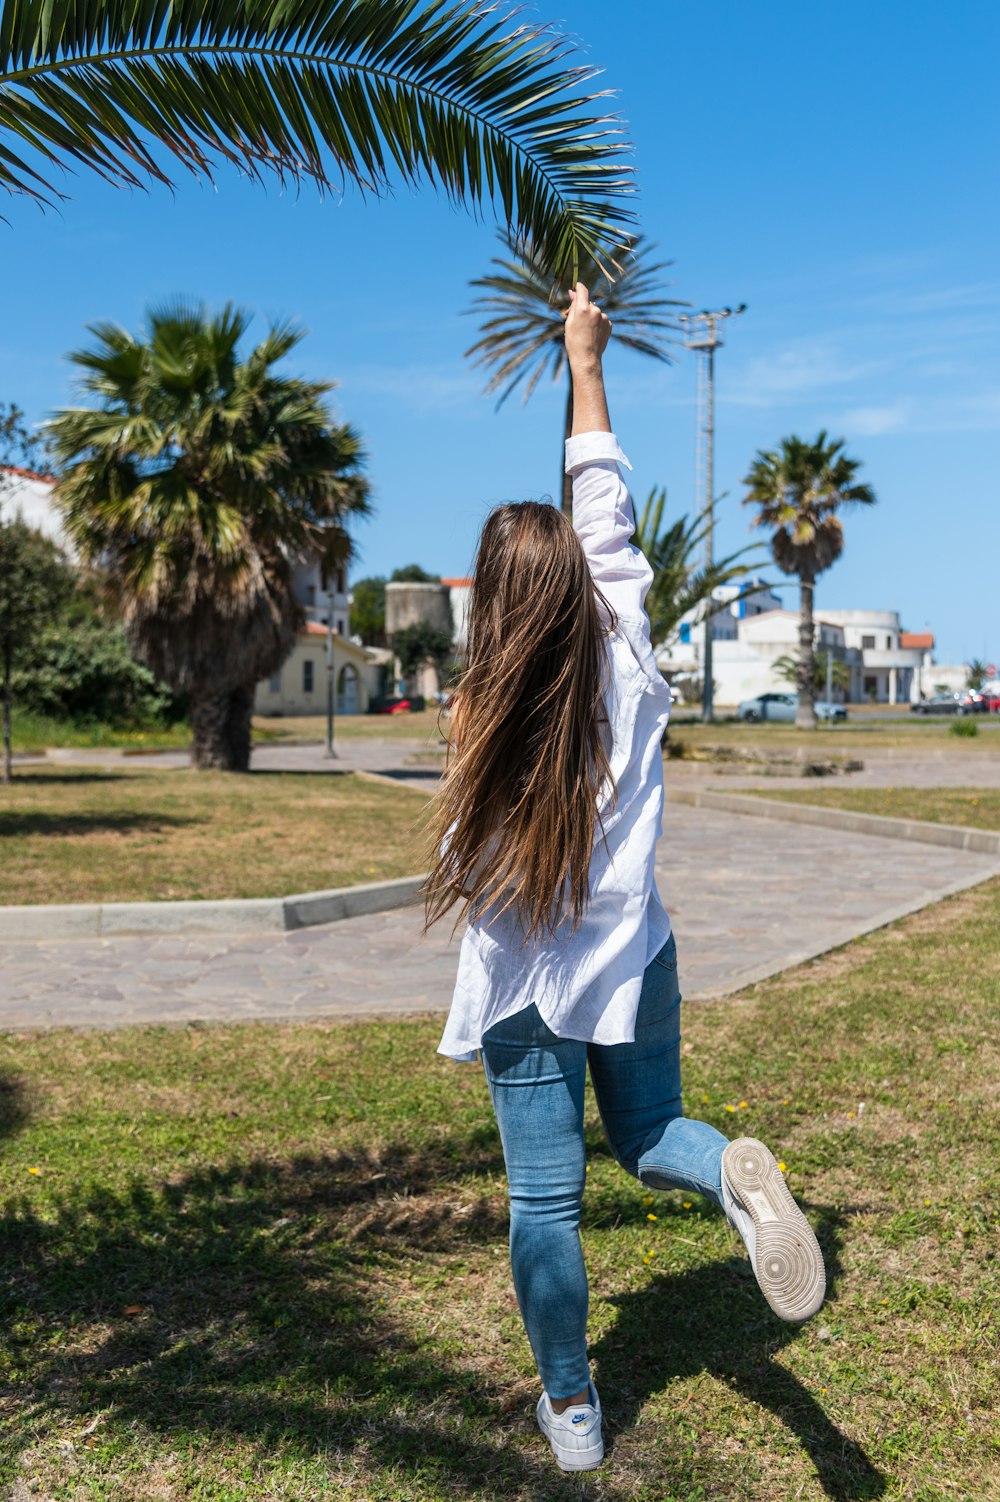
(713, 1319)
(276, 1302)
(14, 1103)
(38, 822)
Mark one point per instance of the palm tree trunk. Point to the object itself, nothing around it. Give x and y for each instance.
(239, 727)
(567, 480)
(805, 715)
(220, 729)
(7, 759)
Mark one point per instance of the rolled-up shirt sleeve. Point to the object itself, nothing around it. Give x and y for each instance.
(604, 522)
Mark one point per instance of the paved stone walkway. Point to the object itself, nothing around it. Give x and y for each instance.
(748, 897)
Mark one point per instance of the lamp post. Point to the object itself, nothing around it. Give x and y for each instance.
(702, 335)
(330, 684)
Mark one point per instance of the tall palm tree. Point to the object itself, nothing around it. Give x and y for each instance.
(197, 479)
(487, 107)
(798, 490)
(680, 583)
(522, 334)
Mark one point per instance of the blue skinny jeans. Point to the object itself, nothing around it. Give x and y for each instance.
(536, 1083)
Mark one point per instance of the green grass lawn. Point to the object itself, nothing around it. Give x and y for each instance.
(269, 1261)
(850, 738)
(972, 807)
(33, 733)
(78, 835)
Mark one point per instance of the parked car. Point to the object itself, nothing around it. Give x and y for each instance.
(968, 702)
(785, 707)
(394, 706)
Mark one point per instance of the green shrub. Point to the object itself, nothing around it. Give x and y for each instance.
(963, 727)
(86, 674)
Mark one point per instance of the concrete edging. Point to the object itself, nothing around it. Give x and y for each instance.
(247, 915)
(984, 841)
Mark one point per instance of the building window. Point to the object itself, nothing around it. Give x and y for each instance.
(686, 632)
(274, 683)
(867, 643)
(307, 676)
(340, 628)
(888, 644)
(340, 581)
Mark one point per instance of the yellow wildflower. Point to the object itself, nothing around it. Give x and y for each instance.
(742, 1105)
(730, 1108)
(34, 1170)
(687, 1204)
(650, 1216)
(783, 1167)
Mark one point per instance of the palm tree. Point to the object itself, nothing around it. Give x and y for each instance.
(680, 585)
(484, 106)
(786, 667)
(197, 479)
(521, 337)
(798, 491)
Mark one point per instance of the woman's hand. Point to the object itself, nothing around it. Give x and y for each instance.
(587, 330)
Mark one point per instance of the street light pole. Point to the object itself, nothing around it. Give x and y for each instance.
(330, 685)
(702, 335)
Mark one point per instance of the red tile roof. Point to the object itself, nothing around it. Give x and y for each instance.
(456, 581)
(916, 639)
(27, 474)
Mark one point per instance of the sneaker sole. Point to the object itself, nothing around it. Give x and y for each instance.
(788, 1262)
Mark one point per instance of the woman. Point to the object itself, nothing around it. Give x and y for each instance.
(548, 822)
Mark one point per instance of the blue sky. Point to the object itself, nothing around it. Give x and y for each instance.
(834, 168)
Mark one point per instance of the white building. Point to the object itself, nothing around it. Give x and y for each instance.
(28, 495)
(886, 664)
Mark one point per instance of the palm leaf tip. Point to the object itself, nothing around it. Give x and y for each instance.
(461, 94)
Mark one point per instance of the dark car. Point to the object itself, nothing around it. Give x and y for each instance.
(957, 704)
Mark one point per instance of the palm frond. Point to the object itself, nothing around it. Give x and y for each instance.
(523, 302)
(489, 110)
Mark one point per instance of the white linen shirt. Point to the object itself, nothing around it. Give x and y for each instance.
(586, 984)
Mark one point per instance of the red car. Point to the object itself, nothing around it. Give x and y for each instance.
(394, 706)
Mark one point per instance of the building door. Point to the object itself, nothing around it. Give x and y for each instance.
(347, 690)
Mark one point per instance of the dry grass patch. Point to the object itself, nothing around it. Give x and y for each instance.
(148, 835)
(969, 807)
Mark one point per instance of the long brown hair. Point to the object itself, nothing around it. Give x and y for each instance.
(516, 815)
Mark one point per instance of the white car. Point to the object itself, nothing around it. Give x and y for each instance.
(785, 707)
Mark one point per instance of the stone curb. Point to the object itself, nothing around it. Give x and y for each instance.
(249, 915)
(984, 841)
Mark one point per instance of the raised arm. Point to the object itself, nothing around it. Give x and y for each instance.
(602, 507)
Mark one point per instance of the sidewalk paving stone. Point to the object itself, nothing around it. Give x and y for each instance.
(748, 897)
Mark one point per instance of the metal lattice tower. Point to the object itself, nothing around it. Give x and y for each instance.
(701, 334)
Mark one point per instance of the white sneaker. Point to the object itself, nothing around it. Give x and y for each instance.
(784, 1253)
(575, 1435)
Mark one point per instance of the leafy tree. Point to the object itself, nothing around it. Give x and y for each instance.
(86, 673)
(681, 585)
(522, 333)
(460, 93)
(195, 479)
(412, 573)
(976, 673)
(19, 446)
(367, 615)
(787, 669)
(422, 642)
(34, 580)
(798, 490)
